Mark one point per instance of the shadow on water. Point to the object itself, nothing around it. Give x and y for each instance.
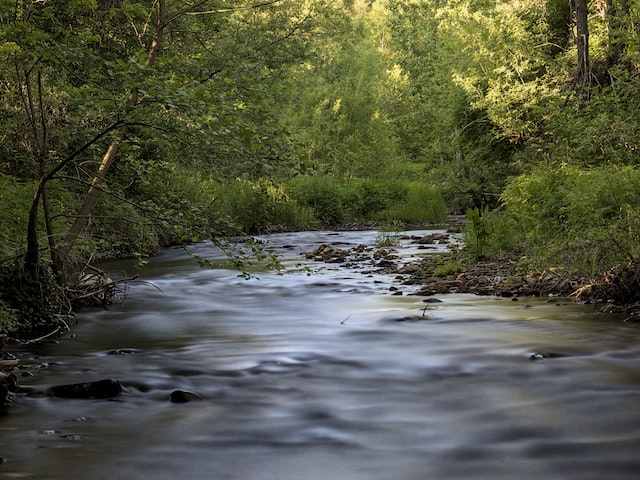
(329, 376)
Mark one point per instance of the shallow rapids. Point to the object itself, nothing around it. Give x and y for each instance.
(330, 376)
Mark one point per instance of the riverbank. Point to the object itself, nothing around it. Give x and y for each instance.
(450, 273)
(611, 292)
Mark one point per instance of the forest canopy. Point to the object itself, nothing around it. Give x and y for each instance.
(128, 125)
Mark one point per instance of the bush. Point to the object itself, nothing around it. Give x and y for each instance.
(325, 197)
(587, 220)
(254, 206)
(28, 303)
(492, 234)
(335, 201)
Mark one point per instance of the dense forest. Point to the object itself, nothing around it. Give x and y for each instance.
(128, 125)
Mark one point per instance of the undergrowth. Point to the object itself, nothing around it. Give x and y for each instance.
(583, 220)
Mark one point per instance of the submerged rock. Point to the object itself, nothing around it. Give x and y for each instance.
(108, 388)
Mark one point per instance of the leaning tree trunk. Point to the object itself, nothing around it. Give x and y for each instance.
(32, 255)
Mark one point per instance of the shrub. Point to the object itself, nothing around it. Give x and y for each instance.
(253, 206)
(29, 303)
(323, 195)
(587, 220)
(366, 198)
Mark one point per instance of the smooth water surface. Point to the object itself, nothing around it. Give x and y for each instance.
(330, 377)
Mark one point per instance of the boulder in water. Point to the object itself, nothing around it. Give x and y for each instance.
(183, 396)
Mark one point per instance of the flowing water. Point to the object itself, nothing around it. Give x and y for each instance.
(329, 377)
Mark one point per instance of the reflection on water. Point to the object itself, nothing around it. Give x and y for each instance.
(329, 376)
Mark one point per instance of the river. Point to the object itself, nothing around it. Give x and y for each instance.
(329, 376)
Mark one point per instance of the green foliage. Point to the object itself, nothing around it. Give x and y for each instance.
(325, 196)
(328, 112)
(476, 234)
(492, 235)
(337, 201)
(448, 267)
(337, 111)
(15, 200)
(9, 319)
(447, 80)
(306, 203)
(416, 203)
(256, 206)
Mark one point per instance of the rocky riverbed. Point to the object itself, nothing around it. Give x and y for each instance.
(447, 273)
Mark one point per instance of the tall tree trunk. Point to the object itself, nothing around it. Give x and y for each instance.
(583, 74)
(32, 255)
(36, 113)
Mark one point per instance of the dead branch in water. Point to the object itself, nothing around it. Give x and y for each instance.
(96, 287)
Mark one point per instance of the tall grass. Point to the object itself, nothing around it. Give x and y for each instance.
(419, 203)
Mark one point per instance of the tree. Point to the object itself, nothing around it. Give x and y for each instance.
(164, 17)
(132, 66)
(338, 117)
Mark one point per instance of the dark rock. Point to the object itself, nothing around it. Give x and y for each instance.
(432, 239)
(89, 390)
(124, 351)
(183, 396)
(426, 240)
(7, 385)
(543, 355)
(431, 300)
(410, 269)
